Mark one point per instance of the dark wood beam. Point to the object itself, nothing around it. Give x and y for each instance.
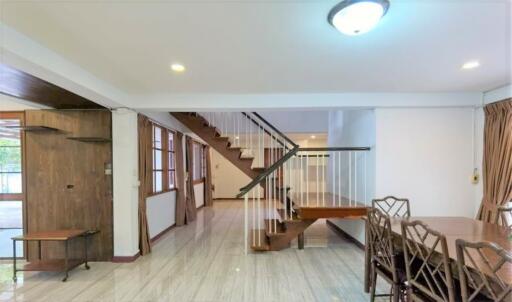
(19, 84)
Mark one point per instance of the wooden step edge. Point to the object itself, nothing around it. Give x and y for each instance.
(269, 227)
(286, 218)
(263, 244)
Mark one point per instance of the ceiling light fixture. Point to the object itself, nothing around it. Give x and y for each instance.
(471, 65)
(356, 17)
(177, 67)
(313, 137)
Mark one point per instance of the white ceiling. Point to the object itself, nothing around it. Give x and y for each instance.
(245, 46)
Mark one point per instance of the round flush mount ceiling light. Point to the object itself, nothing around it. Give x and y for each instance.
(177, 67)
(471, 65)
(356, 17)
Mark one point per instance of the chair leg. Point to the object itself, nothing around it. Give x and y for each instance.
(373, 281)
(395, 292)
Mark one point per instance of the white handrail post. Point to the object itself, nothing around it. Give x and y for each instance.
(246, 222)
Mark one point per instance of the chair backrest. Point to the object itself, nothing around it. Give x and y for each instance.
(381, 242)
(480, 266)
(392, 206)
(423, 275)
(504, 217)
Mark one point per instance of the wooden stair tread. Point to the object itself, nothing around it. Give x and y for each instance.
(273, 227)
(259, 240)
(282, 215)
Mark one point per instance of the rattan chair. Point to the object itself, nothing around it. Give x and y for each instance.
(392, 206)
(426, 282)
(480, 265)
(386, 262)
(504, 217)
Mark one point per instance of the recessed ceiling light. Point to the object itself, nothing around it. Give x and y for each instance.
(313, 136)
(177, 67)
(471, 65)
(356, 17)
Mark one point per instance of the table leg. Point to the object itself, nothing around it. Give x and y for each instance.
(85, 252)
(367, 260)
(14, 278)
(66, 260)
(39, 248)
(300, 241)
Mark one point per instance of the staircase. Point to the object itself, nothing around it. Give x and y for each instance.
(291, 187)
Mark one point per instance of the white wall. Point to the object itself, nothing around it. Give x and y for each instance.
(226, 177)
(125, 181)
(353, 128)
(161, 212)
(8, 103)
(426, 155)
(294, 121)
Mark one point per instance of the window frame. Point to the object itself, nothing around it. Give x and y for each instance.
(165, 149)
(21, 197)
(202, 169)
(19, 115)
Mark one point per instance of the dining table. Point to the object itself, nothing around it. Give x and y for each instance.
(454, 228)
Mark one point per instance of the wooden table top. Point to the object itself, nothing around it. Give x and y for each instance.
(58, 235)
(468, 229)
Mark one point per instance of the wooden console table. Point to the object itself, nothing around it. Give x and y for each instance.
(52, 265)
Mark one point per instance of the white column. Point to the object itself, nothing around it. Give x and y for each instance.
(125, 182)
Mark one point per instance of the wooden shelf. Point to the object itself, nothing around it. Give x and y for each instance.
(33, 128)
(50, 265)
(90, 139)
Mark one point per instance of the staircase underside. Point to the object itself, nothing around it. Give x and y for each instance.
(221, 144)
(283, 227)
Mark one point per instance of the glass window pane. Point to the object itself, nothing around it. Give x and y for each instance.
(10, 159)
(171, 141)
(11, 224)
(10, 136)
(157, 159)
(157, 181)
(171, 179)
(171, 160)
(10, 183)
(157, 137)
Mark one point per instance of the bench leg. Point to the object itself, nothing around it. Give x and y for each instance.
(66, 260)
(85, 252)
(300, 241)
(14, 278)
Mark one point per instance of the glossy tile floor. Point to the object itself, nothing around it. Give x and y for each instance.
(204, 261)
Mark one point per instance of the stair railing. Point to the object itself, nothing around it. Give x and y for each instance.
(250, 132)
(304, 177)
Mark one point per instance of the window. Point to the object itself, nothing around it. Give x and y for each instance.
(11, 182)
(198, 164)
(10, 157)
(157, 159)
(171, 167)
(163, 159)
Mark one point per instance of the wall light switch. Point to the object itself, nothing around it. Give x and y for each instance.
(475, 178)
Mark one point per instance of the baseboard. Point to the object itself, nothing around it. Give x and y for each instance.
(125, 259)
(345, 235)
(159, 235)
(230, 199)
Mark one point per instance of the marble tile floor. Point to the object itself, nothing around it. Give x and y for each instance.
(205, 261)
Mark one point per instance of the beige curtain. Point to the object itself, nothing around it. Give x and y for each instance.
(181, 202)
(190, 212)
(146, 180)
(208, 198)
(497, 162)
